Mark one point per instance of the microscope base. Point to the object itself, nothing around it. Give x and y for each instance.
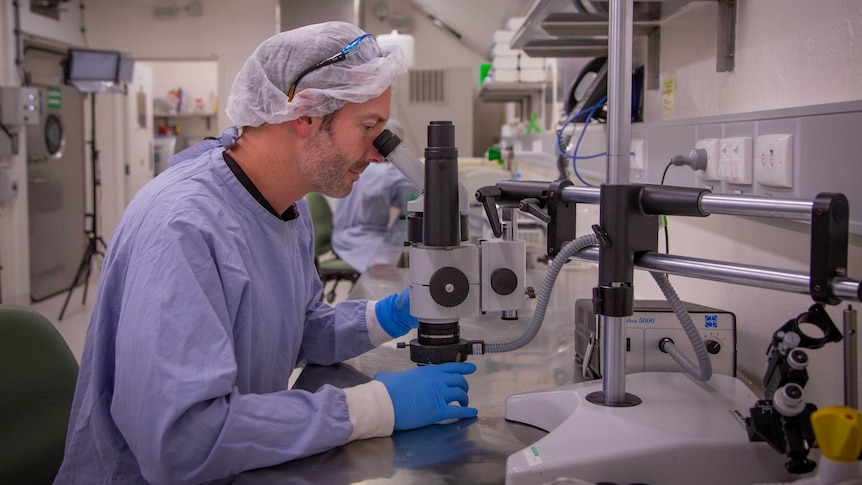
(684, 432)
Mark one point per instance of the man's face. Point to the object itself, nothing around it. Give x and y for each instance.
(337, 154)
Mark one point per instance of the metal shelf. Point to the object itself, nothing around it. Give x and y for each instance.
(183, 115)
(529, 96)
(560, 28)
(206, 115)
(562, 24)
(505, 92)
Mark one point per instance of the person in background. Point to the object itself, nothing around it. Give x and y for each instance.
(209, 299)
(363, 221)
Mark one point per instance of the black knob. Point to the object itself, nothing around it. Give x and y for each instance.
(713, 346)
(449, 287)
(504, 281)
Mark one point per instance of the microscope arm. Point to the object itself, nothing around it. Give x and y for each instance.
(534, 198)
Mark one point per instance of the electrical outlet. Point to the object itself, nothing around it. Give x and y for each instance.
(734, 160)
(711, 147)
(638, 157)
(773, 158)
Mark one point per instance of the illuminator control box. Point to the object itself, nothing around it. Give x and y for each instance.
(652, 321)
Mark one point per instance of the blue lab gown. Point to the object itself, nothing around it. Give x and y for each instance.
(360, 223)
(206, 304)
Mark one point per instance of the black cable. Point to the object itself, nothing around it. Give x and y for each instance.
(84, 27)
(95, 167)
(19, 61)
(664, 174)
(6, 130)
(13, 139)
(666, 237)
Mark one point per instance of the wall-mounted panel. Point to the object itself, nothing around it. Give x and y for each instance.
(825, 151)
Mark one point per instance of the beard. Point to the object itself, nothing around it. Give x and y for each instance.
(326, 168)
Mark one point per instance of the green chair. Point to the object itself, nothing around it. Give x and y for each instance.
(332, 268)
(37, 382)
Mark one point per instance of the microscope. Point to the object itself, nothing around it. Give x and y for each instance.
(451, 278)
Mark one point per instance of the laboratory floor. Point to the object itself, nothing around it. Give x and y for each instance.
(73, 326)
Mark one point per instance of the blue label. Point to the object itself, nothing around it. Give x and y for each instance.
(710, 321)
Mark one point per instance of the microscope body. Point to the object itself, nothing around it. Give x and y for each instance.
(451, 278)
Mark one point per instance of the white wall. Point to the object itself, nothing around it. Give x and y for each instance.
(788, 53)
(296, 13)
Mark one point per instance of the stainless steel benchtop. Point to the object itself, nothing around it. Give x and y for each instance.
(472, 451)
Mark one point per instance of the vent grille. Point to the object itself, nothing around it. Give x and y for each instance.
(428, 86)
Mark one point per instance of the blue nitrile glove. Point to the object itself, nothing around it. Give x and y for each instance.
(393, 313)
(421, 396)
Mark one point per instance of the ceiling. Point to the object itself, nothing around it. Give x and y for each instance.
(475, 20)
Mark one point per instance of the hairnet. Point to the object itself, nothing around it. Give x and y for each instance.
(258, 94)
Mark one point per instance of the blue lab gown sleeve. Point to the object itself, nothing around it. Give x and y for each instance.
(206, 304)
(361, 220)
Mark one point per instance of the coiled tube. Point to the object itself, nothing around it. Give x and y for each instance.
(570, 249)
(704, 371)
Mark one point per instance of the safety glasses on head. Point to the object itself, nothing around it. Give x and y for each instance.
(364, 46)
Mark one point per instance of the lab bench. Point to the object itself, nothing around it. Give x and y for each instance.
(468, 451)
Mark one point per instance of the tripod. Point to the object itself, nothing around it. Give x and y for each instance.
(95, 244)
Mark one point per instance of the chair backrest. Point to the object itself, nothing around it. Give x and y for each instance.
(37, 382)
(321, 217)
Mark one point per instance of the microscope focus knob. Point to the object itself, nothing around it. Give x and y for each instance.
(788, 400)
(797, 359)
(449, 287)
(713, 346)
(504, 281)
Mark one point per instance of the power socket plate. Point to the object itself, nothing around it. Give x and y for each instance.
(773, 160)
(734, 160)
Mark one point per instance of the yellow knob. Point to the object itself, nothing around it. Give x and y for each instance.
(838, 430)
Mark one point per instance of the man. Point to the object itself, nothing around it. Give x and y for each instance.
(362, 219)
(208, 298)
